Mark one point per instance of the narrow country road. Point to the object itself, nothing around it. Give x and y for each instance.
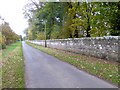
(45, 71)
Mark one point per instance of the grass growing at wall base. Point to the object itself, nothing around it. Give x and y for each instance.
(12, 67)
(106, 70)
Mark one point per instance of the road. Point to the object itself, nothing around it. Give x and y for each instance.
(45, 71)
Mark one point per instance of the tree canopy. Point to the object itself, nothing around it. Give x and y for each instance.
(7, 36)
(72, 19)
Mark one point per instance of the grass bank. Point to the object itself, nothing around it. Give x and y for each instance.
(106, 70)
(12, 66)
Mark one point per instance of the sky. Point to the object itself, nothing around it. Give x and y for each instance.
(11, 11)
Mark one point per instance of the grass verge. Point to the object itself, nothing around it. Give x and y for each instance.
(8, 49)
(12, 66)
(106, 70)
(0, 69)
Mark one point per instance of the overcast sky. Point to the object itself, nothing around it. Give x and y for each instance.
(11, 11)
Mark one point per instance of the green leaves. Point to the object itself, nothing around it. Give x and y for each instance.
(76, 19)
(7, 36)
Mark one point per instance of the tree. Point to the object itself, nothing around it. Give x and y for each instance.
(7, 34)
(2, 41)
(115, 18)
(21, 39)
(75, 19)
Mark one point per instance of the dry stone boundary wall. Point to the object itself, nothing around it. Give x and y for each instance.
(107, 47)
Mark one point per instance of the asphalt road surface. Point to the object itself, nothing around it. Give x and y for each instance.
(45, 71)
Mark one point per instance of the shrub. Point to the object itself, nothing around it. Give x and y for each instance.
(3, 46)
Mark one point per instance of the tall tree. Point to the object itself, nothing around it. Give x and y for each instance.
(7, 35)
(74, 19)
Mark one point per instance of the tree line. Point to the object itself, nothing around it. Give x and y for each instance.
(72, 19)
(7, 36)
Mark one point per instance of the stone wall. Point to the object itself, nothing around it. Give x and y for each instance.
(102, 47)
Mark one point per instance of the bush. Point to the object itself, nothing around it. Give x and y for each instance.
(3, 46)
(2, 41)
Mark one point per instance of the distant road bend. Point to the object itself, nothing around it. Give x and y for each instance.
(45, 71)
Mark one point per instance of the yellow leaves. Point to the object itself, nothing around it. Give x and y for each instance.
(2, 39)
(41, 36)
(7, 34)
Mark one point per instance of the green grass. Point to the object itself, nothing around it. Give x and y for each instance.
(12, 67)
(106, 70)
(0, 69)
(9, 49)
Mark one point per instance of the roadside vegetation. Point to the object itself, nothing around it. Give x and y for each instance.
(0, 69)
(71, 19)
(7, 35)
(12, 66)
(11, 62)
(107, 70)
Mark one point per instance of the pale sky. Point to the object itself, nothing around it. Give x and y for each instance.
(11, 11)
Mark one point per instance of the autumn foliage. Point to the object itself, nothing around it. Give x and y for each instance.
(72, 19)
(7, 36)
